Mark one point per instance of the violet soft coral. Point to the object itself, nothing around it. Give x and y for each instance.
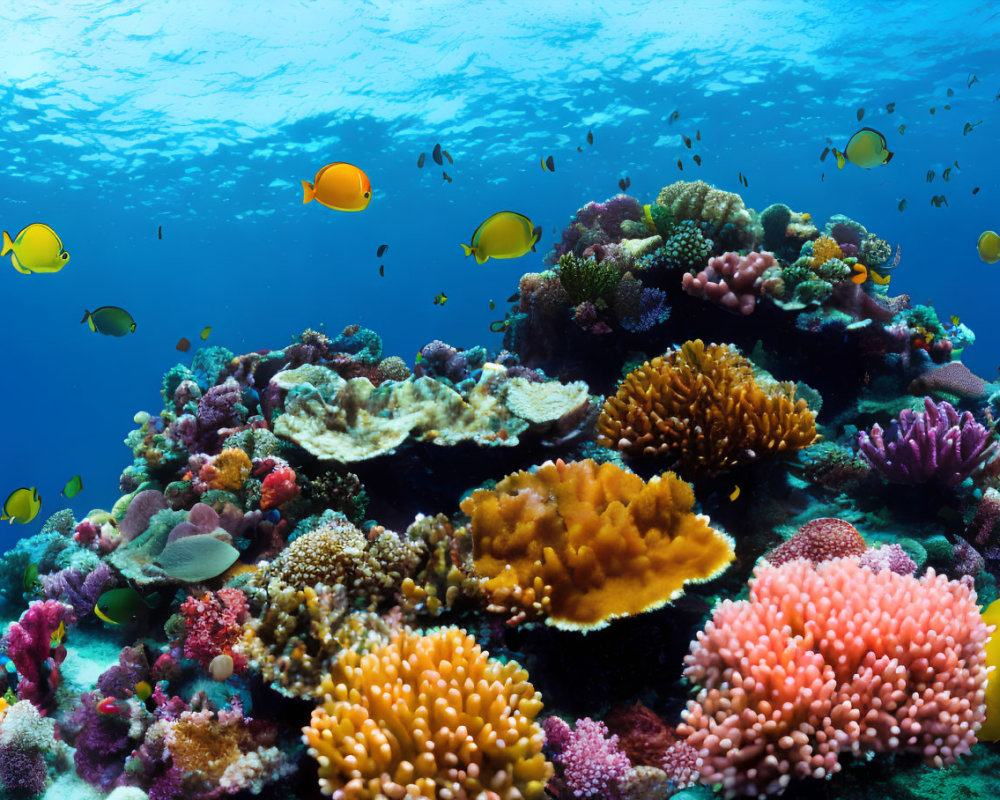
(101, 740)
(590, 763)
(935, 445)
(78, 589)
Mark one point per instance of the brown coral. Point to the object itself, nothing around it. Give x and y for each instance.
(581, 544)
(703, 408)
(698, 201)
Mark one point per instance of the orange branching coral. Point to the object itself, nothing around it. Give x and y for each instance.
(431, 717)
(581, 544)
(825, 248)
(704, 409)
(226, 471)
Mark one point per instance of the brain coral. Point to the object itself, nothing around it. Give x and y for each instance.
(432, 717)
(581, 544)
(704, 409)
(696, 200)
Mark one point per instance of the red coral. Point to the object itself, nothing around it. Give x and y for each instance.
(35, 654)
(820, 540)
(642, 735)
(278, 488)
(214, 624)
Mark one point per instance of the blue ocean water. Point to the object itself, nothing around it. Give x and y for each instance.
(122, 117)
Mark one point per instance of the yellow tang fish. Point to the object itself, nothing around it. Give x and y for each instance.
(866, 148)
(340, 186)
(989, 247)
(506, 234)
(57, 635)
(22, 505)
(37, 248)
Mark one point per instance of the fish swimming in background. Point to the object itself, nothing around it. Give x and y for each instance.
(890, 107)
(951, 92)
(624, 183)
(440, 299)
(881, 280)
(381, 250)
(381, 270)
(697, 159)
(444, 176)
(436, 155)
(970, 126)
(159, 232)
(30, 580)
(975, 190)
(861, 113)
(447, 155)
(902, 204)
(735, 493)
(680, 165)
(955, 320)
(22, 505)
(143, 691)
(420, 161)
(548, 164)
(744, 181)
(515, 298)
(938, 199)
(109, 320)
(206, 332)
(971, 79)
(58, 635)
(824, 154)
(505, 234)
(932, 110)
(945, 176)
(37, 248)
(73, 487)
(930, 175)
(697, 135)
(687, 141)
(860, 273)
(340, 186)
(901, 129)
(109, 706)
(866, 149)
(118, 606)
(492, 305)
(674, 115)
(183, 344)
(989, 247)
(590, 138)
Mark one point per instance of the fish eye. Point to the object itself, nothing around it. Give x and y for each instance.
(64, 256)
(367, 193)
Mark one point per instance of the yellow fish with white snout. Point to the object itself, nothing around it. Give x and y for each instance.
(37, 248)
(989, 247)
(505, 234)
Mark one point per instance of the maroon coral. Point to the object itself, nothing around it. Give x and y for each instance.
(820, 540)
(214, 624)
(30, 646)
(730, 280)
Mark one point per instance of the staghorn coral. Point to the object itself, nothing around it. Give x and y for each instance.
(696, 200)
(428, 716)
(702, 408)
(834, 659)
(580, 544)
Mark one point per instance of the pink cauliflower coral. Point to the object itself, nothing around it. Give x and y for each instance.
(834, 658)
(730, 280)
(214, 624)
(820, 540)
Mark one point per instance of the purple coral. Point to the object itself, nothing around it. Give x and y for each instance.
(101, 740)
(652, 309)
(889, 556)
(77, 589)
(22, 771)
(591, 765)
(730, 280)
(936, 445)
(30, 646)
(597, 223)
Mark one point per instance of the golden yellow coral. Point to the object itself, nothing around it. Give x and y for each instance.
(825, 248)
(227, 471)
(428, 716)
(703, 408)
(581, 544)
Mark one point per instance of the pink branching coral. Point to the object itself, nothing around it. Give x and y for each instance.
(214, 624)
(730, 280)
(590, 763)
(36, 653)
(830, 659)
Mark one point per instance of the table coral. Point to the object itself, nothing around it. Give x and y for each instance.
(580, 544)
(834, 659)
(428, 716)
(703, 409)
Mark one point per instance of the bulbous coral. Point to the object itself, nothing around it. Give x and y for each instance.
(823, 249)
(581, 544)
(703, 408)
(428, 716)
(696, 200)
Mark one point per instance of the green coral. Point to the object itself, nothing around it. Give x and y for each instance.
(775, 219)
(874, 251)
(833, 270)
(210, 364)
(686, 249)
(585, 279)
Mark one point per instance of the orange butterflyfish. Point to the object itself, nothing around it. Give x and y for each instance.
(340, 186)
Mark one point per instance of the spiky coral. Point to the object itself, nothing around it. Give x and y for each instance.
(586, 279)
(702, 408)
(823, 249)
(428, 716)
(580, 544)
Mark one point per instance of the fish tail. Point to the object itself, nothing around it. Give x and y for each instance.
(86, 316)
(468, 250)
(888, 158)
(841, 158)
(7, 244)
(307, 192)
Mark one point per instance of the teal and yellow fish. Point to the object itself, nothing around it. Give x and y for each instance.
(989, 247)
(440, 299)
(505, 234)
(109, 320)
(57, 635)
(118, 606)
(22, 505)
(37, 248)
(73, 487)
(867, 148)
(30, 581)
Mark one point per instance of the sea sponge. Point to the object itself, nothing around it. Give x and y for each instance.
(428, 716)
(696, 200)
(703, 408)
(226, 471)
(581, 544)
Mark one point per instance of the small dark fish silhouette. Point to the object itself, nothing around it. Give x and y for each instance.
(902, 204)
(901, 129)
(673, 116)
(861, 113)
(743, 180)
(381, 250)
(971, 79)
(946, 175)
(687, 141)
(933, 110)
(697, 160)
(624, 183)
(492, 305)
(436, 155)
(829, 140)
(970, 126)
(956, 165)
(579, 149)
(824, 154)
(590, 137)
(548, 164)
(947, 108)
(937, 200)
(444, 176)
(890, 107)
(183, 345)
(447, 155)
(381, 270)
(159, 232)
(822, 177)
(697, 136)
(680, 166)
(976, 190)
(420, 161)
(930, 175)
(951, 92)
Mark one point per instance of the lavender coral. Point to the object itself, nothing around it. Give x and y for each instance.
(935, 445)
(730, 280)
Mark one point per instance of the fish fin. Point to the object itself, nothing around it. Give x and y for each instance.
(18, 266)
(468, 250)
(888, 157)
(101, 615)
(308, 193)
(7, 244)
(859, 278)
(86, 316)
(841, 158)
(481, 259)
